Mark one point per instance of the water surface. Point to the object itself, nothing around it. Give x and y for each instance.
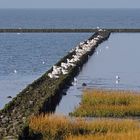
(25, 57)
(120, 56)
(69, 18)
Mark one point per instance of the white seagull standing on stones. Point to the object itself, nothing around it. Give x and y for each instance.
(52, 75)
(64, 72)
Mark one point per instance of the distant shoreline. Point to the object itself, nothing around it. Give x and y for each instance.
(35, 8)
(65, 30)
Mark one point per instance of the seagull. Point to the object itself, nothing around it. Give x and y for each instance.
(107, 47)
(75, 79)
(15, 71)
(81, 43)
(96, 38)
(117, 77)
(100, 30)
(43, 62)
(68, 60)
(64, 72)
(56, 70)
(74, 83)
(117, 81)
(71, 64)
(64, 65)
(52, 75)
(70, 51)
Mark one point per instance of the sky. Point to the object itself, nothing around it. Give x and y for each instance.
(69, 3)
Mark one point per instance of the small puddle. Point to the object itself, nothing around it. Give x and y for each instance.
(119, 56)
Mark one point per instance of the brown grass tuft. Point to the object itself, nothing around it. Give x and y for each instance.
(132, 135)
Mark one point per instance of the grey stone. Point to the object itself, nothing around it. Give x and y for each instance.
(1, 130)
(1, 116)
(15, 123)
(9, 97)
(31, 102)
(24, 119)
(5, 120)
(10, 138)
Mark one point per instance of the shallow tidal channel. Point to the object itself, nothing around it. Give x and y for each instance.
(118, 56)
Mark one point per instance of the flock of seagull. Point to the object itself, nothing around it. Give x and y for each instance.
(79, 51)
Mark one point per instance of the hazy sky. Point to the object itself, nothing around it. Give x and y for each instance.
(69, 3)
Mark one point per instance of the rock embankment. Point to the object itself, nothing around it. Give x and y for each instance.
(44, 93)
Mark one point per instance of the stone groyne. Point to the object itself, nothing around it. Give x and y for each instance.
(44, 93)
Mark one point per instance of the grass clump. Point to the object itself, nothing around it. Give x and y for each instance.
(104, 103)
(54, 127)
(132, 135)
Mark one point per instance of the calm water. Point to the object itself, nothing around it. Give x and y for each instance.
(117, 56)
(25, 57)
(119, 18)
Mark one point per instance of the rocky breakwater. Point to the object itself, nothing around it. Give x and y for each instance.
(41, 95)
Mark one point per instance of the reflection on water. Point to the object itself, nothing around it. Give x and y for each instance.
(119, 56)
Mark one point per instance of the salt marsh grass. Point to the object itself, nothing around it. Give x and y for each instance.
(132, 135)
(54, 127)
(104, 103)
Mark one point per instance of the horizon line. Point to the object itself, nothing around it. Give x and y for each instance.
(97, 8)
